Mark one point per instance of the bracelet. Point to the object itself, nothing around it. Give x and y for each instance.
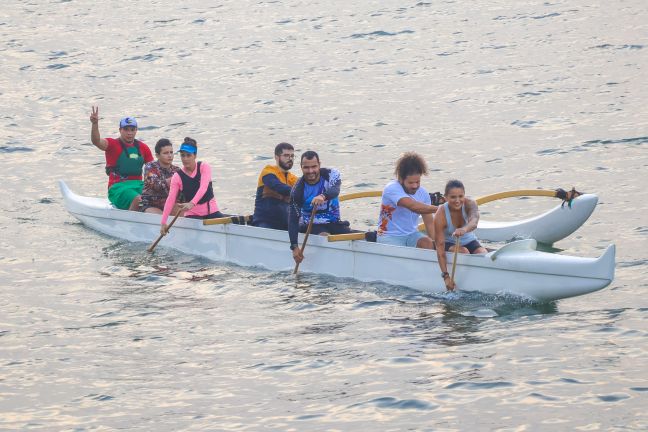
(445, 275)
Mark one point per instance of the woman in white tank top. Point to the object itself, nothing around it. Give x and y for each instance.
(459, 217)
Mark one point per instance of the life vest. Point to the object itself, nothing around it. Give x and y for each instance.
(130, 161)
(263, 191)
(190, 186)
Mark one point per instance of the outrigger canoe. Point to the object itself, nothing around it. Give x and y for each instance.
(517, 268)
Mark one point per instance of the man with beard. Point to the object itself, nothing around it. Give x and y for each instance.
(403, 200)
(318, 188)
(273, 190)
(125, 157)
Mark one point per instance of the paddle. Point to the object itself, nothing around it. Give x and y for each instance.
(150, 249)
(566, 196)
(308, 230)
(240, 220)
(454, 260)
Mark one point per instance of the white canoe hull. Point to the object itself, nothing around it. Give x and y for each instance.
(516, 269)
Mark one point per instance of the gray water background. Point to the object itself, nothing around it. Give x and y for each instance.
(95, 334)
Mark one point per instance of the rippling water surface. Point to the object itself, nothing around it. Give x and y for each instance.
(95, 334)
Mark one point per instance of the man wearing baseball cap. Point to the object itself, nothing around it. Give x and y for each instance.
(125, 157)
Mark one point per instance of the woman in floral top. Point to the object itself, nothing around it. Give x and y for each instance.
(157, 178)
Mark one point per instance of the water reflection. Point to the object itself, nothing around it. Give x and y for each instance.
(459, 318)
(171, 336)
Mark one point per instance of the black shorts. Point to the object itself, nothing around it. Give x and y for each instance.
(341, 227)
(472, 246)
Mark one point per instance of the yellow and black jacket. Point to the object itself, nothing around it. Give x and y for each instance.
(273, 197)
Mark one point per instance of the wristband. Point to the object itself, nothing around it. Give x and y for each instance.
(445, 275)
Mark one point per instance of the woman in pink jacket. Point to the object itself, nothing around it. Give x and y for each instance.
(194, 181)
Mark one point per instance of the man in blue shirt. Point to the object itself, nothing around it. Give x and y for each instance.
(317, 188)
(403, 200)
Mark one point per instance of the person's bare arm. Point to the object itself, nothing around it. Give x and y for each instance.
(472, 212)
(416, 206)
(95, 137)
(440, 224)
(428, 221)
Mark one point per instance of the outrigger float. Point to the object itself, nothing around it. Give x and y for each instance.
(516, 268)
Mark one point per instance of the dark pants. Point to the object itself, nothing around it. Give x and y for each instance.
(278, 225)
(341, 227)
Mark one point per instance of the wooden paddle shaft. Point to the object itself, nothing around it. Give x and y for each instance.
(454, 260)
(150, 249)
(308, 230)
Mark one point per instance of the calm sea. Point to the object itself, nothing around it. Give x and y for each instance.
(96, 334)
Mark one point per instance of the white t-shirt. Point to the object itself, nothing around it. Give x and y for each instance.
(395, 220)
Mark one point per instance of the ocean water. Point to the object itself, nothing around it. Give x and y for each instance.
(96, 334)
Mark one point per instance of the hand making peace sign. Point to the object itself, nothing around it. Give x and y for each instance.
(94, 116)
